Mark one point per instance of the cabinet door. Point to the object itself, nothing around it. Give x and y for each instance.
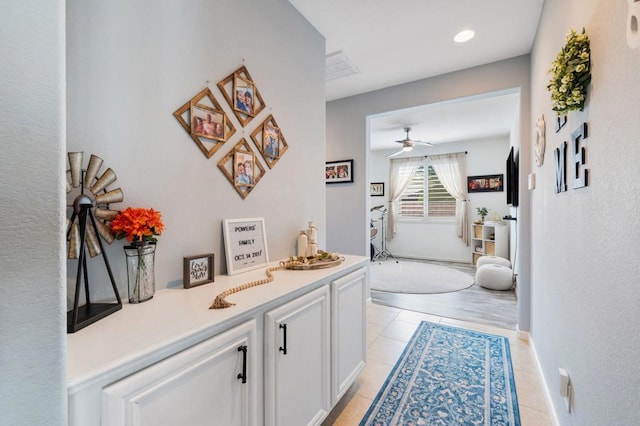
(348, 331)
(201, 385)
(297, 362)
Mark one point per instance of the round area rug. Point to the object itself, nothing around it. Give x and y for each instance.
(417, 277)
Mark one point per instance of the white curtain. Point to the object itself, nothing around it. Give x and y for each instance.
(400, 173)
(451, 169)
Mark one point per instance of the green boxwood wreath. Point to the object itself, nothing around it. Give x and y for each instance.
(571, 73)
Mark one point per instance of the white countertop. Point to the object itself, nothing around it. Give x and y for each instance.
(140, 334)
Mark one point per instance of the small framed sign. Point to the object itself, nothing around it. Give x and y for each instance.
(197, 270)
(376, 189)
(245, 244)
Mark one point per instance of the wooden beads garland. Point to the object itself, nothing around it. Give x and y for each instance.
(221, 303)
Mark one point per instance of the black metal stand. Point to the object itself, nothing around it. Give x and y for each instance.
(82, 316)
(384, 253)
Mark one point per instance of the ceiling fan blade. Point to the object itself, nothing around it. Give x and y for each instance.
(423, 143)
(398, 152)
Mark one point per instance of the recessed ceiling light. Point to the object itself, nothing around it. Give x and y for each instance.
(463, 36)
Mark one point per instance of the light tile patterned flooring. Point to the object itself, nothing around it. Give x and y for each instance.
(388, 331)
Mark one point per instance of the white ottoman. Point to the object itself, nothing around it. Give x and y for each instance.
(494, 277)
(492, 260)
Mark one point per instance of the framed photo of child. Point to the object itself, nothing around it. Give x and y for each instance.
(243, 95)
(271, 141)
(243, 166)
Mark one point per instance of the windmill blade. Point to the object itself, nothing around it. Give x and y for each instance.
(92, 241)
(68, 174)
(107, 178)
(105, 232)
(95, 163)
(74, 241)
(113, 196)
(75, 166)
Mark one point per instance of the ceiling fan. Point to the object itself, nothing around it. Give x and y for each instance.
(408, 144)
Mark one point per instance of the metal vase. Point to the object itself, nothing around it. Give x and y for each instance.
(140, 270)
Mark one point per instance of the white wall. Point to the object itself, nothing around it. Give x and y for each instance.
(32, 322)
(436, 238)
(131, 64)
(584, 268)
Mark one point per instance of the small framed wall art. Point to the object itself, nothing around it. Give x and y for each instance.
(338, 171)
(376, 189)
(243, 96)
(270, 141)
(241, 168)
(204, 120)
(245, 244)
(197, 270)
(485, 183)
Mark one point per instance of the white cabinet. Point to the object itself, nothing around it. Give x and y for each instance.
(348, 331)
(297, 361)
(212, 383)
(490, 238)
(172, 361)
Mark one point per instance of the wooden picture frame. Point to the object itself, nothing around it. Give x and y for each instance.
(243, 95)
(197, 270)
(206, 122)
(260, 137)
(226, 166)
(338, 171)
(183, 115)
(243, 166)
(485, 183)
(245, 244)
(376, 189)
(241, 78)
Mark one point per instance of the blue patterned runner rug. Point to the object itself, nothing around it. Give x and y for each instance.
(448, 376)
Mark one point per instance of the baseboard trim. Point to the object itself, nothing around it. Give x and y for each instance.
(553, 416)
(522, 335)
(435, 259)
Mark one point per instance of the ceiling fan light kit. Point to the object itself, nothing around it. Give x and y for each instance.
(408, 144)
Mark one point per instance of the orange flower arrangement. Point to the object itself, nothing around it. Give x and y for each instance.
(137, 224)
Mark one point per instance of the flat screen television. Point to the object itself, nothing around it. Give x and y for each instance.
(512, 178)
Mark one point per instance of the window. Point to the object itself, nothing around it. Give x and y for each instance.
(437, 203)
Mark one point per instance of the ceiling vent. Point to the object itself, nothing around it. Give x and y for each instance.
(338, 66)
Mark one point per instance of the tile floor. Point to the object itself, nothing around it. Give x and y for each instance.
(388, 331)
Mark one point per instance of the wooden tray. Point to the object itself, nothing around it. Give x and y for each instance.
(313, 264)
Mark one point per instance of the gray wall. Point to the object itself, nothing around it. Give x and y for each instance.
(584, 266)
(132, 64)
(129, 65)
(347, 204)
(32, 320)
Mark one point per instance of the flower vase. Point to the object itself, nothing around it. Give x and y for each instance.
(140, 270)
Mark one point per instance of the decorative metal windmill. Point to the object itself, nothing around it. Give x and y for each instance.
(87, 226)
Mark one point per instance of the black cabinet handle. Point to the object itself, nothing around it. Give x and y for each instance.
(243, 376)
(284, 349)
